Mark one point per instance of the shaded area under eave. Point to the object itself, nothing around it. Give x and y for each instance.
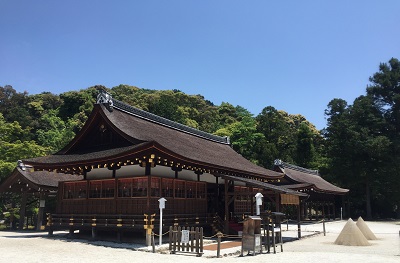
(267, 186)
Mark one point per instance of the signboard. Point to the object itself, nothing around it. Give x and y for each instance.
(287, 199)
(185, 236)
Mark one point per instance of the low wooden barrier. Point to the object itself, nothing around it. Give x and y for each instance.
(186, 240)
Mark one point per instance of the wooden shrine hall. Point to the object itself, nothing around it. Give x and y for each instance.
(130, 158)
(325, 199)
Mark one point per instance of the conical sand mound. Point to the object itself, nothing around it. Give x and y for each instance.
(351, 235)
(365, 229)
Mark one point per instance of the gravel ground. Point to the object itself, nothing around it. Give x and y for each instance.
(314, 247)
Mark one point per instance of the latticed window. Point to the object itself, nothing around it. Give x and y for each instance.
(201, 190)
(74, 190)
(190, 189)
(155, 187)
(108, 188)
(139, 187)
(95, 189)
(180, 189)
(80, 190)
(69, 189)
(101, 189)
(167, 187)
(125, 187)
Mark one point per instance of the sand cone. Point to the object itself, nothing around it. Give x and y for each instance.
(365, 229)
(351, 235)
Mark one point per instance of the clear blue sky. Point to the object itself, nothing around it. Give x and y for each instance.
(293, 55)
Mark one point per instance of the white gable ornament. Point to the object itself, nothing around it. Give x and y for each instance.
(105, 98)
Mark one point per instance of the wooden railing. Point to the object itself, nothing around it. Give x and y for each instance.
(186, 240)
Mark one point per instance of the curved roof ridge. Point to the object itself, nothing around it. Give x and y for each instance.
(105, 98)
(298, 168)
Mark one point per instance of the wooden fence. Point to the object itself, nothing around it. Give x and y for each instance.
(186, 240)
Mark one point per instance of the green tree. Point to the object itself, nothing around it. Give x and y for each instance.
(13, 146)
(280, 140)
(244, 137)
(55, 133)
(305, 150)
(13, 106)
(385, 91)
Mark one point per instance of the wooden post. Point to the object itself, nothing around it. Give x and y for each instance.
(334, 211)
(170, 238)
(148, 173)
(94, 233)
(226, 225)
(250, 198)
(216, 195)
(153, 242)
(148, 236)
(176, 170)
(119, 236)
(277, 202)
(40, 212)
(299, 222)
(219, 235)
(50, 224)
(22, 210)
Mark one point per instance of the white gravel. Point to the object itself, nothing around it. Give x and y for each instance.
(38, 247)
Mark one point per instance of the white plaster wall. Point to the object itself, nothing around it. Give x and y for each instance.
(160, 171)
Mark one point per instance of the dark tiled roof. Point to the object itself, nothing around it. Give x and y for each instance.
(73, 158)
(168, 123)
(309, 177)
(36, 179)
(43, 178)
(194, 147)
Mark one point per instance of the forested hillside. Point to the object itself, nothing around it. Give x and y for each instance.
(359, 149)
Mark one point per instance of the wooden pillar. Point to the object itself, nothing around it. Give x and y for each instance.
(216, 195)
(147, 168)
(226, 221)
(198, 175)
(42, 205)
(299, 220)
(334, 211)
(22, 210)
(148, 173)
(250, 198)
(328, 212)
(176, 170)
(343, 207)
(277, 202)
(306, 210)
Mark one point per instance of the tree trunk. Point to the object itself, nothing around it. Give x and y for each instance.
(368, 198)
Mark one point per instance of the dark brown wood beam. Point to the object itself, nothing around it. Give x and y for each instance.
(226, 226)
